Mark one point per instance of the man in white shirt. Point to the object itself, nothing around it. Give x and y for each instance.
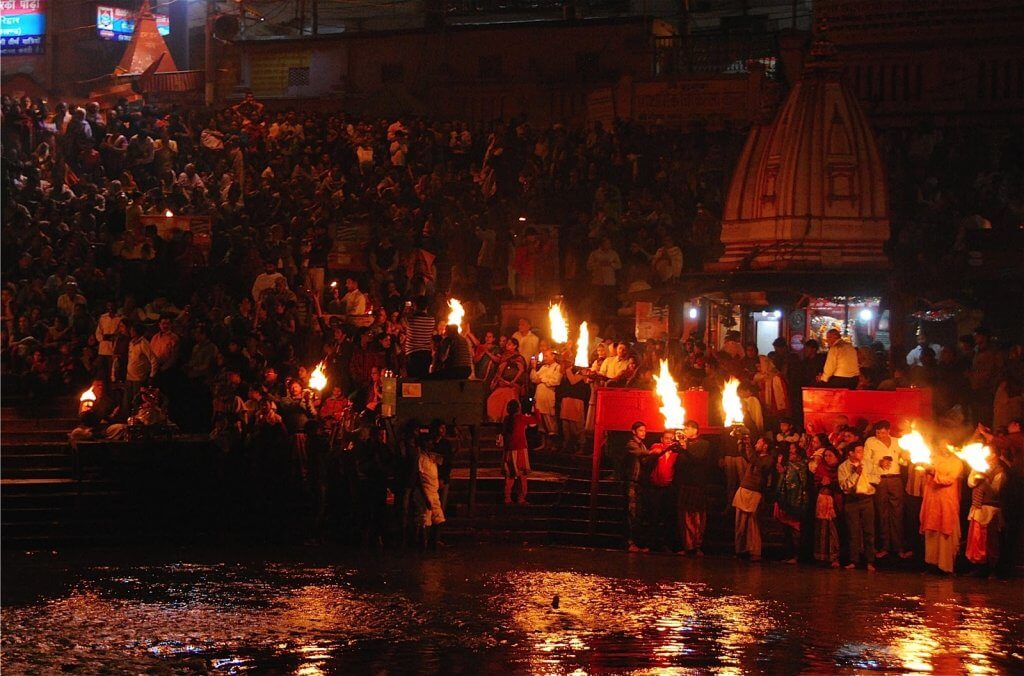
(529, 343)
(266, 280)
(602, 264)
(841, 366)
(189, 180)
(883, 451)
(615, 367)
(165, 345)
(857, 479)
(547, 375)
(106, 334)
(668, 260)
(914, 356)
(142, 365)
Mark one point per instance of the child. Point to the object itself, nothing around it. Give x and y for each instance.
(516, 460)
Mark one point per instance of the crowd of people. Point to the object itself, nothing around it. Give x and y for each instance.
(848, 497)
(214, 327)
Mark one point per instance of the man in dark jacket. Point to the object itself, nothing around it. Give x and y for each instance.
(691, 477)
(636, 452)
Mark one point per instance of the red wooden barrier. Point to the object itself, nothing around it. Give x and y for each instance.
(823, 405)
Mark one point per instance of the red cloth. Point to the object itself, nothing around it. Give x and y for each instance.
(664, 467)
(517, 440)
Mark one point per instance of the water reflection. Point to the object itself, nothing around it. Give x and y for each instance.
(457, 612)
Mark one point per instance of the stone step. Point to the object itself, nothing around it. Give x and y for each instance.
(33, 436)
(37, 473)
(31, 424)
(24, 461)
(34, 447)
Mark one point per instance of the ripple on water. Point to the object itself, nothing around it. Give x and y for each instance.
(443, 615)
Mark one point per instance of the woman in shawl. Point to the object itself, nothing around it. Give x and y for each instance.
(508, 381)
(791, 497)
(828, 504)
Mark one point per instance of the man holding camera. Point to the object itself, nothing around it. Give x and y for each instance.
(882, 451)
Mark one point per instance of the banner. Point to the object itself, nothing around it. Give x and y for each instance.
(651, 321)
(117, 23)
(22, 27)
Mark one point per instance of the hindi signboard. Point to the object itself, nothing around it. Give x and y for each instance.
(22, 27)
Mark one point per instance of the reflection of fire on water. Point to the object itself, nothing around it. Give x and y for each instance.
(582, 343)
(913, 443)
(731, 404)
(559, 329)
(671, 404)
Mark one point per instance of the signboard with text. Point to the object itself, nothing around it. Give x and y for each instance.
(117, 23)
(22, 27)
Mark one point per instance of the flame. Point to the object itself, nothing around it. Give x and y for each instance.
(913, 443)
(668, 392)
(974, 454)
(582, 353)
(731, 403)
(318, 379)
(456, 314)
(559, 329)
(87, 396)
(169, 213)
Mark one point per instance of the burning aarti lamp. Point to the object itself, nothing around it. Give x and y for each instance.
(86, 401)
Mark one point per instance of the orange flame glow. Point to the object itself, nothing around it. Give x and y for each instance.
(913, 443)
(318, 379)
(559, 329)
(456, 313)
(974, 454)
(731, 404)
(671, 405)
(582, 343)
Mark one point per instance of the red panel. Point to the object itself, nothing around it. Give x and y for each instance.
(823, 405)
(618, 409)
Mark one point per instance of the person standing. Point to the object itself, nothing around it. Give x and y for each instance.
(142, 366)
(526, 340)
(419, 333)
(985, 520)
(940, 509)
(575, 394)
(547, 375)
(791, 497)
(747, 501)
(507, 384)
(841, 366)
(106, 336)
(691, 479)
(636, 452)
(883, 451)
(857, 479)
(828, 506)
(516, 457)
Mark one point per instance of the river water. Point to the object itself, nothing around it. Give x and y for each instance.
(495, 609)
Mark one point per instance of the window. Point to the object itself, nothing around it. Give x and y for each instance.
(298, 77)
(392, 72)
(490, 67)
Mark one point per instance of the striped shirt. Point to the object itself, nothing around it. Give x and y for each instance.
(421, 330)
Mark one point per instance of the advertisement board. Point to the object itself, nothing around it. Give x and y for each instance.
(22, 27)
(117, 23)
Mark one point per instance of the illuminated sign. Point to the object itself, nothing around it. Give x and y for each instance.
(116, 23)
(22, 27)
